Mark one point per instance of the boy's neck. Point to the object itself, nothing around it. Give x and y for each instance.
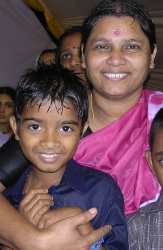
(38, 179)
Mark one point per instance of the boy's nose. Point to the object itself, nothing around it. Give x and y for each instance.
(51, 140)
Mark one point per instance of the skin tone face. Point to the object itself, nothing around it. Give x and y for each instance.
(48, 138)
(48, 58)
(117, 58)
(6, 110)
(155, 158)
(70, 54)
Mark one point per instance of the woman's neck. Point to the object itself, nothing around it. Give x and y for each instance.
(104, 111)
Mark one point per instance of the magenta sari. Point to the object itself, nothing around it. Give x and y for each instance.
(119, 150)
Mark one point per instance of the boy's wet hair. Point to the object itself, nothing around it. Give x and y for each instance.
(120, 8)
(157, 123)
(51, 83)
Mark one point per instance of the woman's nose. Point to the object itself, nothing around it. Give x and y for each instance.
(116, 58)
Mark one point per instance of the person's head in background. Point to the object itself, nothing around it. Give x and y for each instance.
(69, 55)
(155, 154)
(47, 57)
(7, 99)
(119, 48)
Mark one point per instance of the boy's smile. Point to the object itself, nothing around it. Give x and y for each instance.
(48, 136)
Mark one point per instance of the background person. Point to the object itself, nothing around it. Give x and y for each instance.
(47, 57)
(7, 99)
(69, 51)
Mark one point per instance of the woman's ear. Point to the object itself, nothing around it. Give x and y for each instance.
(153, 56)
(82, 57)
(14, 127)
(149, 160)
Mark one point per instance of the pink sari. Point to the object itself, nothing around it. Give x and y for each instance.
(119, 150)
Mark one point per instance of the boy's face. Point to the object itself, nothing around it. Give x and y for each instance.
(48, 138)
(156, 156)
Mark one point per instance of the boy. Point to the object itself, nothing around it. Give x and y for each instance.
(51, 110)
(146, 227)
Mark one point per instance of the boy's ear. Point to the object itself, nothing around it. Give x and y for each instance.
(149, 160)
(14, 127)
(82, 57)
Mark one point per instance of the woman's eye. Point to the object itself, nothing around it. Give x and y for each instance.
(132, 47)
(102, 46)
(65, 56)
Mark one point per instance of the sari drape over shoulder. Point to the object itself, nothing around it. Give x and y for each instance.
(119, 150)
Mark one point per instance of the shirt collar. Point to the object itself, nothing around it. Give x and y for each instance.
(74, 176)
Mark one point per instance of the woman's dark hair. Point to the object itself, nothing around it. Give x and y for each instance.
(119, 8)
(157, 123)
(51, 83)
(8, 91)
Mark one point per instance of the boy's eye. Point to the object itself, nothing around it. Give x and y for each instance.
(34, 127)
(161, 162)
(66, 129)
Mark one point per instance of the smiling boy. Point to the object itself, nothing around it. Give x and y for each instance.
(51, 110)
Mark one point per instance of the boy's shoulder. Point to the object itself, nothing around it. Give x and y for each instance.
(148, 213)
(91, 178)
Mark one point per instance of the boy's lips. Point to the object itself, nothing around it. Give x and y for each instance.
(50, 158)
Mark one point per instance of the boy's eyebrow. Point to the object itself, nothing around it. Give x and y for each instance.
(31, 119)
(73, 122)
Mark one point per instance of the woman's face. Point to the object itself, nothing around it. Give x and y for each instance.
(70, 54)
(117, 57)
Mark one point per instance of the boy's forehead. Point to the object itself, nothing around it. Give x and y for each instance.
(49, 106)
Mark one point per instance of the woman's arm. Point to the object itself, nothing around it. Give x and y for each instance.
(19, 234)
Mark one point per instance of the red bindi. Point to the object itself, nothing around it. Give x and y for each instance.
(116, 32)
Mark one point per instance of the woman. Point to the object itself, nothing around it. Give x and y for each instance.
(69, 51)
(119, 49)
